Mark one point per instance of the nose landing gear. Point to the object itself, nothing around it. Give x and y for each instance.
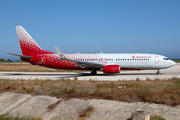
(158, 72)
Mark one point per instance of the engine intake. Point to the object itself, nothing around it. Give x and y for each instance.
(111, 69)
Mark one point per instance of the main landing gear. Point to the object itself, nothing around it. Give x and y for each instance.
(94, 72)
(158, 73)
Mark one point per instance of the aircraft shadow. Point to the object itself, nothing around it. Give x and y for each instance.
(8, 74)
(62, 75)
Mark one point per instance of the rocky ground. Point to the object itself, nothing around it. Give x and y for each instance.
(47, 108)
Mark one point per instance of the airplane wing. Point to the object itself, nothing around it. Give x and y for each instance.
(84, 64)
(21, 56)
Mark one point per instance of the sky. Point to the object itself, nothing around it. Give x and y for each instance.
(93, 26)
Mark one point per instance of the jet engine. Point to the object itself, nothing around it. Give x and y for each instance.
(111, 69)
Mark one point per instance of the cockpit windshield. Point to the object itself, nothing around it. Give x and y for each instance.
(165, 58)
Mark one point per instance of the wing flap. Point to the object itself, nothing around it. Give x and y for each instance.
(87, 64)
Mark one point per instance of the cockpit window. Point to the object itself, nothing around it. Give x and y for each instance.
(165, 58)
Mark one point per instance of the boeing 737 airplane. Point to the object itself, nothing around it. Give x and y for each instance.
(108, 63)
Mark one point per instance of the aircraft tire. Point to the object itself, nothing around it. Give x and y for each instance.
(158, 73)
(94, 72)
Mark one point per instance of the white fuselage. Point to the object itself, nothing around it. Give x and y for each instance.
(140, 61)
(131, 61)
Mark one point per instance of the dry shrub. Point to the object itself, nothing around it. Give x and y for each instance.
(85, 89)
(37, 90)
(106, 85)
(52, 106)
(159, 91)
(145, 93)
(86, 113)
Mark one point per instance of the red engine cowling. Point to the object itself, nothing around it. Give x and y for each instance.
(111, 69)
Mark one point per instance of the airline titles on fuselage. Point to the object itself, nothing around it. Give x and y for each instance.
(134, 58)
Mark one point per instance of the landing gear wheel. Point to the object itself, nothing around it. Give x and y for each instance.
(158, 73)
(93, 72)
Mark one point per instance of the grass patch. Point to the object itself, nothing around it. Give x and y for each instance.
(165, 91)
(156, 117)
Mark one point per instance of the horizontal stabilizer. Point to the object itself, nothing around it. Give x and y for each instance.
(21, 56)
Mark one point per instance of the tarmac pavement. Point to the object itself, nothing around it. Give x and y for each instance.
(124, 75)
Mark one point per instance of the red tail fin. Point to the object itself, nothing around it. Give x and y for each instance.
(28, 46)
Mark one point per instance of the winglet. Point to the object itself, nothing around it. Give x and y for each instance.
(60, 54)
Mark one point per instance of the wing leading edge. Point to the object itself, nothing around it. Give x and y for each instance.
(84, 64)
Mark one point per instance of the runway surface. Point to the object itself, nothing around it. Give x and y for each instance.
(124, 75)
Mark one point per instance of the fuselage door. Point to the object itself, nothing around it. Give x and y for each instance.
(156, 59)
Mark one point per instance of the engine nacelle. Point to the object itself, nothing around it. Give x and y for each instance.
(111, 69)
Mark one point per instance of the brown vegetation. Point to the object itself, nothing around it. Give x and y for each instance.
(30, 68)
(52, 106)
(10, 117)
(86, 113)
(152, 91)
(22, 67)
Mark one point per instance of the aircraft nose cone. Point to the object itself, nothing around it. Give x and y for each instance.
(172, 63)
